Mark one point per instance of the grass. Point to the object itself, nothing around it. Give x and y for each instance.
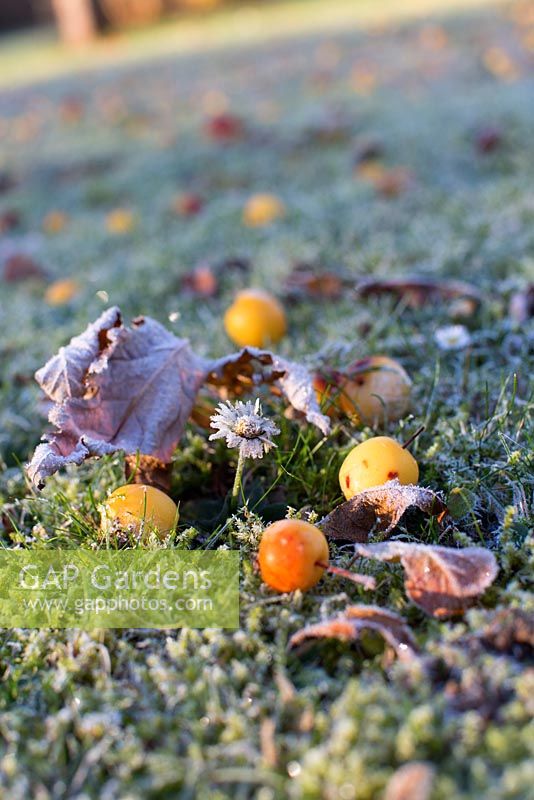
(148, 714)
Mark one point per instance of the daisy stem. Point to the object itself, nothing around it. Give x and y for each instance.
(237, 479)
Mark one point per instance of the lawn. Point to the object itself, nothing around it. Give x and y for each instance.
(96, 153)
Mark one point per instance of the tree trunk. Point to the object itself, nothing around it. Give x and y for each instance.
(75, 20)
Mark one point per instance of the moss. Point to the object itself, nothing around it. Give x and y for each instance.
(147, 714)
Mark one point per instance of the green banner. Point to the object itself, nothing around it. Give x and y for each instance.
(119, 589)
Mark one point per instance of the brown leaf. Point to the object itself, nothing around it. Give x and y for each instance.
(252, 367)
(443, 581)
(20, 267)
(133, 389)
(305, 281)
(9, 220)
(147, 470)
(412, 781)
(356, 619)
(7, 182)
(418, 291)
(224, 127)
(510, 631)
(378, 509)
(522, 304)
(201, 282)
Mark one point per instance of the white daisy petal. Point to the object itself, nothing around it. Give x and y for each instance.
(244, 427)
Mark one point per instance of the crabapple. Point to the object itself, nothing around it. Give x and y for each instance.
(374, 462)
(255, 319)
(134, 504)
(293, 554)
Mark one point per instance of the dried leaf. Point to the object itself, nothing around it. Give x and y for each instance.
(412, 781)
(7, 182)
(252, 367)
(148, 470)
(488, 139)
(187, 204)
(357, 619)
(201, 282)
(510, 631)
(20, 267)
(522, 304)
(443, 581)
(305, 281)
(378, 509)
(368, 149)
(133, 389)
(418, 291)
(9, 220)
(224, 127)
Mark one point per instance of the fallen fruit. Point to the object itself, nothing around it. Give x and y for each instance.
(55, 222)
(375, 462)
(187, 204)
(255, 319)
(262, 209)
(224, 127)
(136, 506)
(120, 221)
(61, 292)
(289, 554)
(372, 391)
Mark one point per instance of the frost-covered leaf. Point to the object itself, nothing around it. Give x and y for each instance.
(354, 621)
(378, 509)
(443, 581)
(509, 630)
(133, 389)
(21, 267)
(412, 781)
(306, 281)
(241, 372)
(418, 291)
(521, 308)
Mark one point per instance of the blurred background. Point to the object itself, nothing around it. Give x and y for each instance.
(78, 21)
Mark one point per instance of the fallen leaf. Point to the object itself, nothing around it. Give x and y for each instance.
(330, 127)
(251, 367)
(9, 220)
(412, 781)
(511, 631)
(367, 149)
(522, 304)
(20, 267)
(394, 181)
(379, 509)
(148, 470)
(357, 619)
(488, 139)
(7, 182)
(187, 204)
(443, 581)
(306, 281)
(201, 282)
(133, 389)
(418, 291)
(224, 127)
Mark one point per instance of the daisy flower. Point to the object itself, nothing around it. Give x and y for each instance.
(244, 427)
(452, 337)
